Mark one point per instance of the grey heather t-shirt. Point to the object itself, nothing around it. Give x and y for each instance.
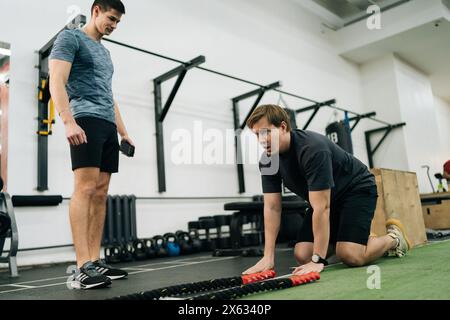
(90, 82)
(313, 163)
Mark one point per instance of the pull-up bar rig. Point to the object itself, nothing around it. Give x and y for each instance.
(46, 118)
(162, 111)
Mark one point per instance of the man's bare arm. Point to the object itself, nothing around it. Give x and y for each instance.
(320, 202)
(59, 75)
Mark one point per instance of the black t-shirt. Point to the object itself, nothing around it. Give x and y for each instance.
(314, 163)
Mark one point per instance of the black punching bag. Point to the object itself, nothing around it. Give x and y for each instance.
(340, 133)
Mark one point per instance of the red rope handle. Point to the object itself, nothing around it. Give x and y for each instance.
(254, 277)
(305, 278)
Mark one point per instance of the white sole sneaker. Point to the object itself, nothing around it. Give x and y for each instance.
(79, 286)
(399, 233)
(116, 277)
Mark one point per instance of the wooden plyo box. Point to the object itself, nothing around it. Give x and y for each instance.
(436, 210)
(399, 198)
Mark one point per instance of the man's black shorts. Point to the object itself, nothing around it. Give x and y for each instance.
(102, 149)
(350, 218)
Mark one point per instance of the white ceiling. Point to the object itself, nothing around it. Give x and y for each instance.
(349, 10)
(340, 13)
(423, 45)
(426, 47)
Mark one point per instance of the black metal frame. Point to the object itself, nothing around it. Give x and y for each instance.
(358, 118)
(161, 113)
(316, 107)
(134, 222)
(239, 127)
(43, 117)
(13, 234)
(368, 134)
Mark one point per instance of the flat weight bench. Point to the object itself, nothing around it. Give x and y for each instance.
(246, 210)
(434, 198)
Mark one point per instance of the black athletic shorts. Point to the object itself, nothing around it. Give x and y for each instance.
(102, 149)
(350, 218)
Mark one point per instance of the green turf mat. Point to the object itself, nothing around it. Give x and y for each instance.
(423, 274)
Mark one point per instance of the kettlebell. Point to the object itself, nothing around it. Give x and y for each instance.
(173, 248)
(139, 250)
(127, 252)
(112, 254)
(185, 242)
(159, 243)
(196, 242)
(149, 248)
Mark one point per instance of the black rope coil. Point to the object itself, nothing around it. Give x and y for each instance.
(244, 290)
(184, 289)
(226, 288)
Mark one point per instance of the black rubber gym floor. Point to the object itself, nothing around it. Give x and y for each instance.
(50, 283)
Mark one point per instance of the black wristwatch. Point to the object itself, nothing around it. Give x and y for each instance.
(318, 259)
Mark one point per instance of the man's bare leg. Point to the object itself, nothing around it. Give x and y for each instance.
(85, 185)
(97, 214)
(354, 254)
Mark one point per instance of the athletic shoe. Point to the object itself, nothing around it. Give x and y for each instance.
(88, 278)
(110, 272)
(396, 230)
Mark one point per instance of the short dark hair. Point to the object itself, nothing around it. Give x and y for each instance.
(106, 5)
(274, 114)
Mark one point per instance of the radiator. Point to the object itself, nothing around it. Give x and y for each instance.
(120, 222)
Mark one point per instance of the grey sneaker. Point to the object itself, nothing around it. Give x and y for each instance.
(396, 230)
(88, 278)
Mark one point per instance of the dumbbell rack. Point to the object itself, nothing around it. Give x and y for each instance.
(239, 239)
(253, 211)
(218, 234)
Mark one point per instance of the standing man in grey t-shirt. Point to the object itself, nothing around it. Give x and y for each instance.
(81, 73)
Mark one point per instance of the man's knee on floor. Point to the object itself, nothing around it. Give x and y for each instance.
(302, 254)
(350, 258)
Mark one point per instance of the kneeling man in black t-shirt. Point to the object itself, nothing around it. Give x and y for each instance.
(339, 188)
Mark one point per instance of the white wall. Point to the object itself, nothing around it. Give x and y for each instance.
(422, 139)
(381, 95)
(443, 120)
(401, 93)
(442, 108)
(263, 41)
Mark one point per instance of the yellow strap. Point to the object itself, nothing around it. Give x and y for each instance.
(44, 90)
(51, 117)
(50, 120)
